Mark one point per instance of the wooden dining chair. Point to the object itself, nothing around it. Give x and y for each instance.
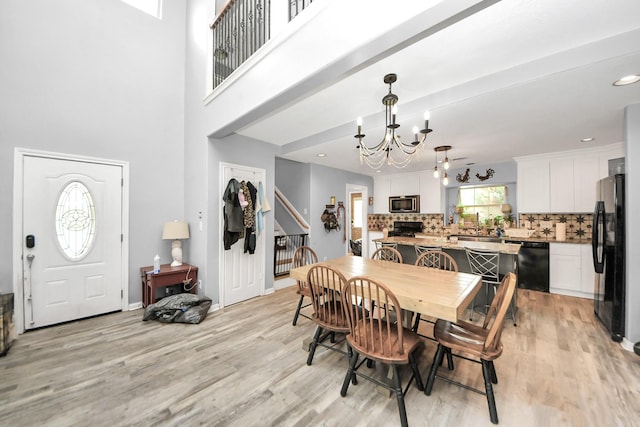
(387, 253)
(479, 344)
(487, 264)
(329, 315)
(379, 339)
(304, 255)
(440, 261)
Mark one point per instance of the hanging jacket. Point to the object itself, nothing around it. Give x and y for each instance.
(261, 207)
(232, 212)
(249, 220)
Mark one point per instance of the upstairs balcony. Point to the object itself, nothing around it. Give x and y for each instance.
(241, 28)
(268, 54)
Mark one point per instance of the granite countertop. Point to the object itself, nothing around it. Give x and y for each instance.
(503, 248)
(550, 239)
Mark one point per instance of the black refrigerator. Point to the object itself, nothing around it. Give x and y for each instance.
(608, 245)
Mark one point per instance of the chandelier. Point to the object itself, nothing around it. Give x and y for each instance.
(391, 149)
(445, 164)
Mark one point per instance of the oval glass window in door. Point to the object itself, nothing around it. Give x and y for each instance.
(75, 221)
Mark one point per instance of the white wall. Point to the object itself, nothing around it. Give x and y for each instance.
(102, 79)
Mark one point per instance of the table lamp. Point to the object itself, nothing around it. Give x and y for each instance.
(175, 230)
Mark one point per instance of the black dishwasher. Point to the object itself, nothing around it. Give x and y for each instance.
(533, 265)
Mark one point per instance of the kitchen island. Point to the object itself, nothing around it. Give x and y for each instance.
(508, 255)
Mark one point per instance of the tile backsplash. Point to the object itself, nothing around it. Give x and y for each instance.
(433, 223)
(578, 225)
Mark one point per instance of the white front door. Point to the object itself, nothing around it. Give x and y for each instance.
(72, 240)
(242, 274)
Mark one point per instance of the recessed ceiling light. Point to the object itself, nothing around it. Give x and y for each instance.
(587, 139)
(321, 155)
(627, 80)
(378, 171)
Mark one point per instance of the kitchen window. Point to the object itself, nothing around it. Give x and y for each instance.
(482, 202)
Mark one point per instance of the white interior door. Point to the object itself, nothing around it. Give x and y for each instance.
(242, 274)
(72, 262)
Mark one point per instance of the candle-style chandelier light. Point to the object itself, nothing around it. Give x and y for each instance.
(391, 149)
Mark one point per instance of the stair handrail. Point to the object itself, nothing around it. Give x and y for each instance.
(292, 210)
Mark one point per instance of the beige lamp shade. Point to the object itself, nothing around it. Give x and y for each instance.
(175, 230)
(505, 207)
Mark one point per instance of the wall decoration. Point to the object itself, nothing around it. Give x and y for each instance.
(487, 176)
(330, 219)
(463, 178)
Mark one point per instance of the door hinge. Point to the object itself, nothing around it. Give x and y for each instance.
(121, 182)
(121, 293)
(121, 238)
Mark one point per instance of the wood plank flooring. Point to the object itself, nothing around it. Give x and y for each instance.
(245, 366)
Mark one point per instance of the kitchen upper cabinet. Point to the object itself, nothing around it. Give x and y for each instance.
(430, 193)
(406, 184)
(571, 270)
(573, 184)
(381, 193)
(533, 186)
(586, 173)
(562, 182)
(561, 185)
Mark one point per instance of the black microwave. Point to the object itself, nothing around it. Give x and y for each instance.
(400, 204)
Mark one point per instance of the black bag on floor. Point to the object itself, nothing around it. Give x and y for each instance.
(180, 308)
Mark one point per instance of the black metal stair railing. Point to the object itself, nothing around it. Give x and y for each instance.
(285, 246)
(241, 28)
(297, 6)
(239, 31)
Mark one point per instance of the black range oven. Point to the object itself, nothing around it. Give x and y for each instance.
(406, 228)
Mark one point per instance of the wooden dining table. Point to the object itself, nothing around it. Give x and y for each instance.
(437, 293)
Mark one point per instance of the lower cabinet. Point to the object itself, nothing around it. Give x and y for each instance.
(571, 270)
(372, 245)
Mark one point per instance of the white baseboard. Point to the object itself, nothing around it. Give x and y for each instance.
(283, 283)
(627, 345)
(135, 306)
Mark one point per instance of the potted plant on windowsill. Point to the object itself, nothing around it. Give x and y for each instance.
(459, 209)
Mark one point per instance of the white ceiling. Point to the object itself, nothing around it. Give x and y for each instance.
(517, 78)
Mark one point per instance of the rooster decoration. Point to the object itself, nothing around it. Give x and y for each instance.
(463, 178)
(487, 176)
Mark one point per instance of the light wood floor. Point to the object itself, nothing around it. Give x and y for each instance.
(245, 366)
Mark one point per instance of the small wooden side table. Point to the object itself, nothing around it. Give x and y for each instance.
(185, 274)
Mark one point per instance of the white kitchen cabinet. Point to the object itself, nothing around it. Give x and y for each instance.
(430, 193)
(372, 245)
(381, 193)
(404, 184)
(561, 185)
(573, 184)
(562, 182)
(407, 184)
(564, 268)
(533, 186)
(571, 269)
(586, 173)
